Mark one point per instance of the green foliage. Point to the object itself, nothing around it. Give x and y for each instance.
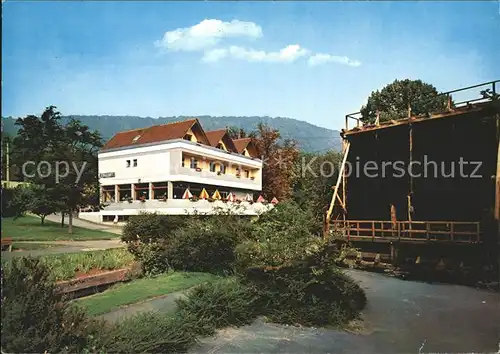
(152, 258)
(206, 308)
(9, 209)
(35, 317)
(306, 295)
(146, 333)
(150, 228)
(201, 246)
(394, 100)
(280, 237)
(36, 199)
(64, 159)
(65, 266)
(317, 173)
(215, 305)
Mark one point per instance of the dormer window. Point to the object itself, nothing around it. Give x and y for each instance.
(188, 137)
(136, 138)
(220, 146)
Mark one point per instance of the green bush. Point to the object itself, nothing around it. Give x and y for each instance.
(215, 305)
(146, 333)
(201, 246)
(150, 228)
(305, 295)
(292, 272)
(153, 258)
(35, 317)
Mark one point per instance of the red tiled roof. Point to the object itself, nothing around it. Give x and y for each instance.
(214, 136)
(155, 133)
(241, 144)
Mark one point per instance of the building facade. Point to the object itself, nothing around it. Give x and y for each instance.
(151, 169)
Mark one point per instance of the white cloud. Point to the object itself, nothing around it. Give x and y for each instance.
(206, 34)
(214, 55)
(288, 54)
(321, 58)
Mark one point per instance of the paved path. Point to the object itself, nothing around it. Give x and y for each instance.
(401, 317)
(64, 247)
(86, 224)
(161, 304)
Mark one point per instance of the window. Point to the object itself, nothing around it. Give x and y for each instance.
(220, 146)
(187, 137)
(212, 166)
(135, 162)
(136, 138)
(222, 169)
(194, 163)
(128, 163)
(247, 174)
(237, 171)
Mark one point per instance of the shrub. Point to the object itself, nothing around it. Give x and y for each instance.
(146, 333)
(305, 295)
(153, 258)
(35, 317)
(201, 246)
(215, 305)
(149, 228)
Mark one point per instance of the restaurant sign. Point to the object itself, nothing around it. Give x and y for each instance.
(106, 175)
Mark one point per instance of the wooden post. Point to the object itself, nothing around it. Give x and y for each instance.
(334, 196)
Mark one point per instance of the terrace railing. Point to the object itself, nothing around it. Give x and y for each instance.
(488, 92)
(409, 231)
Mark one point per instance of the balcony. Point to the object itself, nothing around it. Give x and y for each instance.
(216, 176)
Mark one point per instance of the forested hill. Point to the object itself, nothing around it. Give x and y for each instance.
(311, 138)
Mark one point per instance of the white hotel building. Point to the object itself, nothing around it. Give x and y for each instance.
(150, 169)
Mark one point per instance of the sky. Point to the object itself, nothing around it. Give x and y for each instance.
(313, 61)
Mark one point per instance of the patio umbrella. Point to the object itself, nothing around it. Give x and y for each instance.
(230, 197)
(204, 194)
(274, 201)
(216, 195)
(187, 194)
(260, 199)
(248, 198)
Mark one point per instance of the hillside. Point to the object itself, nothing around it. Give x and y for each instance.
(311, 138)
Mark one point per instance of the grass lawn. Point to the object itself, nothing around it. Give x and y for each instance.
(141, 289)
(29, 228)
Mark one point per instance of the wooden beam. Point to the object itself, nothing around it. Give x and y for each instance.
(339, 178)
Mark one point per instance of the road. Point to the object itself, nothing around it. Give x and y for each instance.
(401, 317)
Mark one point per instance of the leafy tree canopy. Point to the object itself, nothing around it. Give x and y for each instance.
(394, 100)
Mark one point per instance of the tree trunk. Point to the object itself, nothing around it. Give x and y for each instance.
(70, 221)
(62, 219)
(42, 218)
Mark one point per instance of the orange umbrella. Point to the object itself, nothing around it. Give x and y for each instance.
(216, 195)
(187, 194)
(274, 201)
(204, 194)
(230, 197)
(260, 199)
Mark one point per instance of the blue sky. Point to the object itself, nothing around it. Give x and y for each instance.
(311, 61)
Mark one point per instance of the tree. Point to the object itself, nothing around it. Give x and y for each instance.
(78, 183)
(239, 133)
(279, 159)
(35, 199)
(317, 173)
(63, 159)
(395, 99)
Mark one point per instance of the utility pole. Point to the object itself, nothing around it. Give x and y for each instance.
(7, 162)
